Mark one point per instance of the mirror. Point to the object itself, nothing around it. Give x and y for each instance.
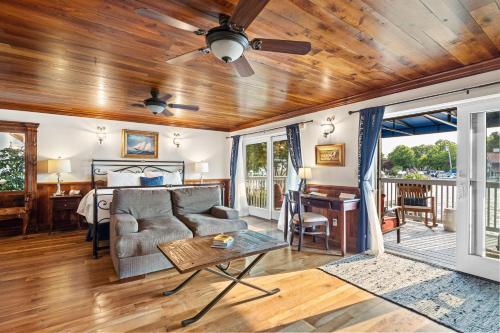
(12, 168)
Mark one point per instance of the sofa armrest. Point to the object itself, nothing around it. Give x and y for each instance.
(222, 212)
(125, 224)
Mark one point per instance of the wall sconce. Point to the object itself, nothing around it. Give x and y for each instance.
(327, 126)
(176, 140)
(101, 134)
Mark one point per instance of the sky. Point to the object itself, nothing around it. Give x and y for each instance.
(388, 144)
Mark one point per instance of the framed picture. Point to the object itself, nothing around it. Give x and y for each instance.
(139, 144)
(333, 154)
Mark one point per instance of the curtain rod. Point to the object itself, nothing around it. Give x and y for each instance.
(271, 129)
(436, 95)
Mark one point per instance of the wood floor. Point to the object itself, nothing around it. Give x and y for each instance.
(50, 283)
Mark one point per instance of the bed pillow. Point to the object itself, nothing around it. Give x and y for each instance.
(169, 178)
(152, 181)
(116, 179)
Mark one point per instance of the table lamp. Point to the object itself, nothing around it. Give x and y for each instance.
(304, 175)
(201, 168)
(58, 166)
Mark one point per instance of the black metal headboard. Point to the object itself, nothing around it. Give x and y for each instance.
(101, 167)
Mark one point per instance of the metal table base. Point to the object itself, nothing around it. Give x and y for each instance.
(234, 281)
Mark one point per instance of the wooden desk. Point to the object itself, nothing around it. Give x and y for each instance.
(332, 203)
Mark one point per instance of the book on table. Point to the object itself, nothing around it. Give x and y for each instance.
(222, 241)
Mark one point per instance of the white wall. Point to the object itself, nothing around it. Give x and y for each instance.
(75, 138)
(347, 125)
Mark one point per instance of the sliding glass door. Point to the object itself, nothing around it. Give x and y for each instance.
(478, 179)
(266, 161)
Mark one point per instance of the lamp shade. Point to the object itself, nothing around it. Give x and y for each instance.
(201, 167)
(227, 50)
(58, 166)
(305, 173)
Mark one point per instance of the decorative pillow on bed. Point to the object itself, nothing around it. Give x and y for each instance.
(169, 178)
(116, 179)
(152, 181)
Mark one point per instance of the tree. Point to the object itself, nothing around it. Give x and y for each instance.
(256, 159)
(437, 158)
(12, 169)
(492, 142)
(402, 156)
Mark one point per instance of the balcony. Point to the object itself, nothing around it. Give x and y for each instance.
(437, 245)
(257, 192)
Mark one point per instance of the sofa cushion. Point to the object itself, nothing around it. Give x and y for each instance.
(222, 212)
(206, 224)
(142, 203)
(152, 231)
(195, 200)
(125, 224)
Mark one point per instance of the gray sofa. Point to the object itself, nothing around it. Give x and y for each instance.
(141, 219)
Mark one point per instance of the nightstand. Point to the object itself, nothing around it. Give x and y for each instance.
(62, 209)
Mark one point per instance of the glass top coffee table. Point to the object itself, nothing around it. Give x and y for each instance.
(197, 254)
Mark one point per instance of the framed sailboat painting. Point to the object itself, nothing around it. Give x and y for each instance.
(139, 144)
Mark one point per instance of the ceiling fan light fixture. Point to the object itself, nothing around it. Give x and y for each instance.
(226, 45)
(155, 107)
(227, 50)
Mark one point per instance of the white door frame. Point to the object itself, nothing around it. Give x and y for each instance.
(472, 260)
(269, 212)
(264, 213)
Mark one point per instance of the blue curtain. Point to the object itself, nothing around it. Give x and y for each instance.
(232, 168)
(293, 136)
(370, 124)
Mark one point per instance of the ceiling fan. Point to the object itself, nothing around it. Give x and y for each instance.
(228, 41)
(158, 105)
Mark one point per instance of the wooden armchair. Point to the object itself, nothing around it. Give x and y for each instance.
(416, 198)
(20, 212)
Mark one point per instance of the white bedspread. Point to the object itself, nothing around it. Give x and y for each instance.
(86, 207)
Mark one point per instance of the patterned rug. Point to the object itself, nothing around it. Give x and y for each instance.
(456, 300)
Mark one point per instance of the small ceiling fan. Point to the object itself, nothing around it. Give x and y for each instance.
(228, 41)
(158, 105)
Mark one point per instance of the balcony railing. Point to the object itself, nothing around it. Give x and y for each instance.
(444, 190)
(256, 190)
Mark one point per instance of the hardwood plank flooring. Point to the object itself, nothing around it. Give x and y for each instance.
(51, 284)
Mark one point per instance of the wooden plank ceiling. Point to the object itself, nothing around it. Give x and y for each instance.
(95, 58)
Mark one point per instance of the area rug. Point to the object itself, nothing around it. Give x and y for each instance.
(459, 301)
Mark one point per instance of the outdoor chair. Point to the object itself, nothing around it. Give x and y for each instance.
(418, 199)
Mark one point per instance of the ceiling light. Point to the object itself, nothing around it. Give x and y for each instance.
(155, 108)
(226, 45)
(227, 50)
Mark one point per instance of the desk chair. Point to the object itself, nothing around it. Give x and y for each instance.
(305, 223)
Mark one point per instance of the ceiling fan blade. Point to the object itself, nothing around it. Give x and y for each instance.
(166, 113)
(165, 97)
(188, 56)
(246, 11)
(137, 105)
(282, 46)
(169, 20)
(184, 107)
(243, 67)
